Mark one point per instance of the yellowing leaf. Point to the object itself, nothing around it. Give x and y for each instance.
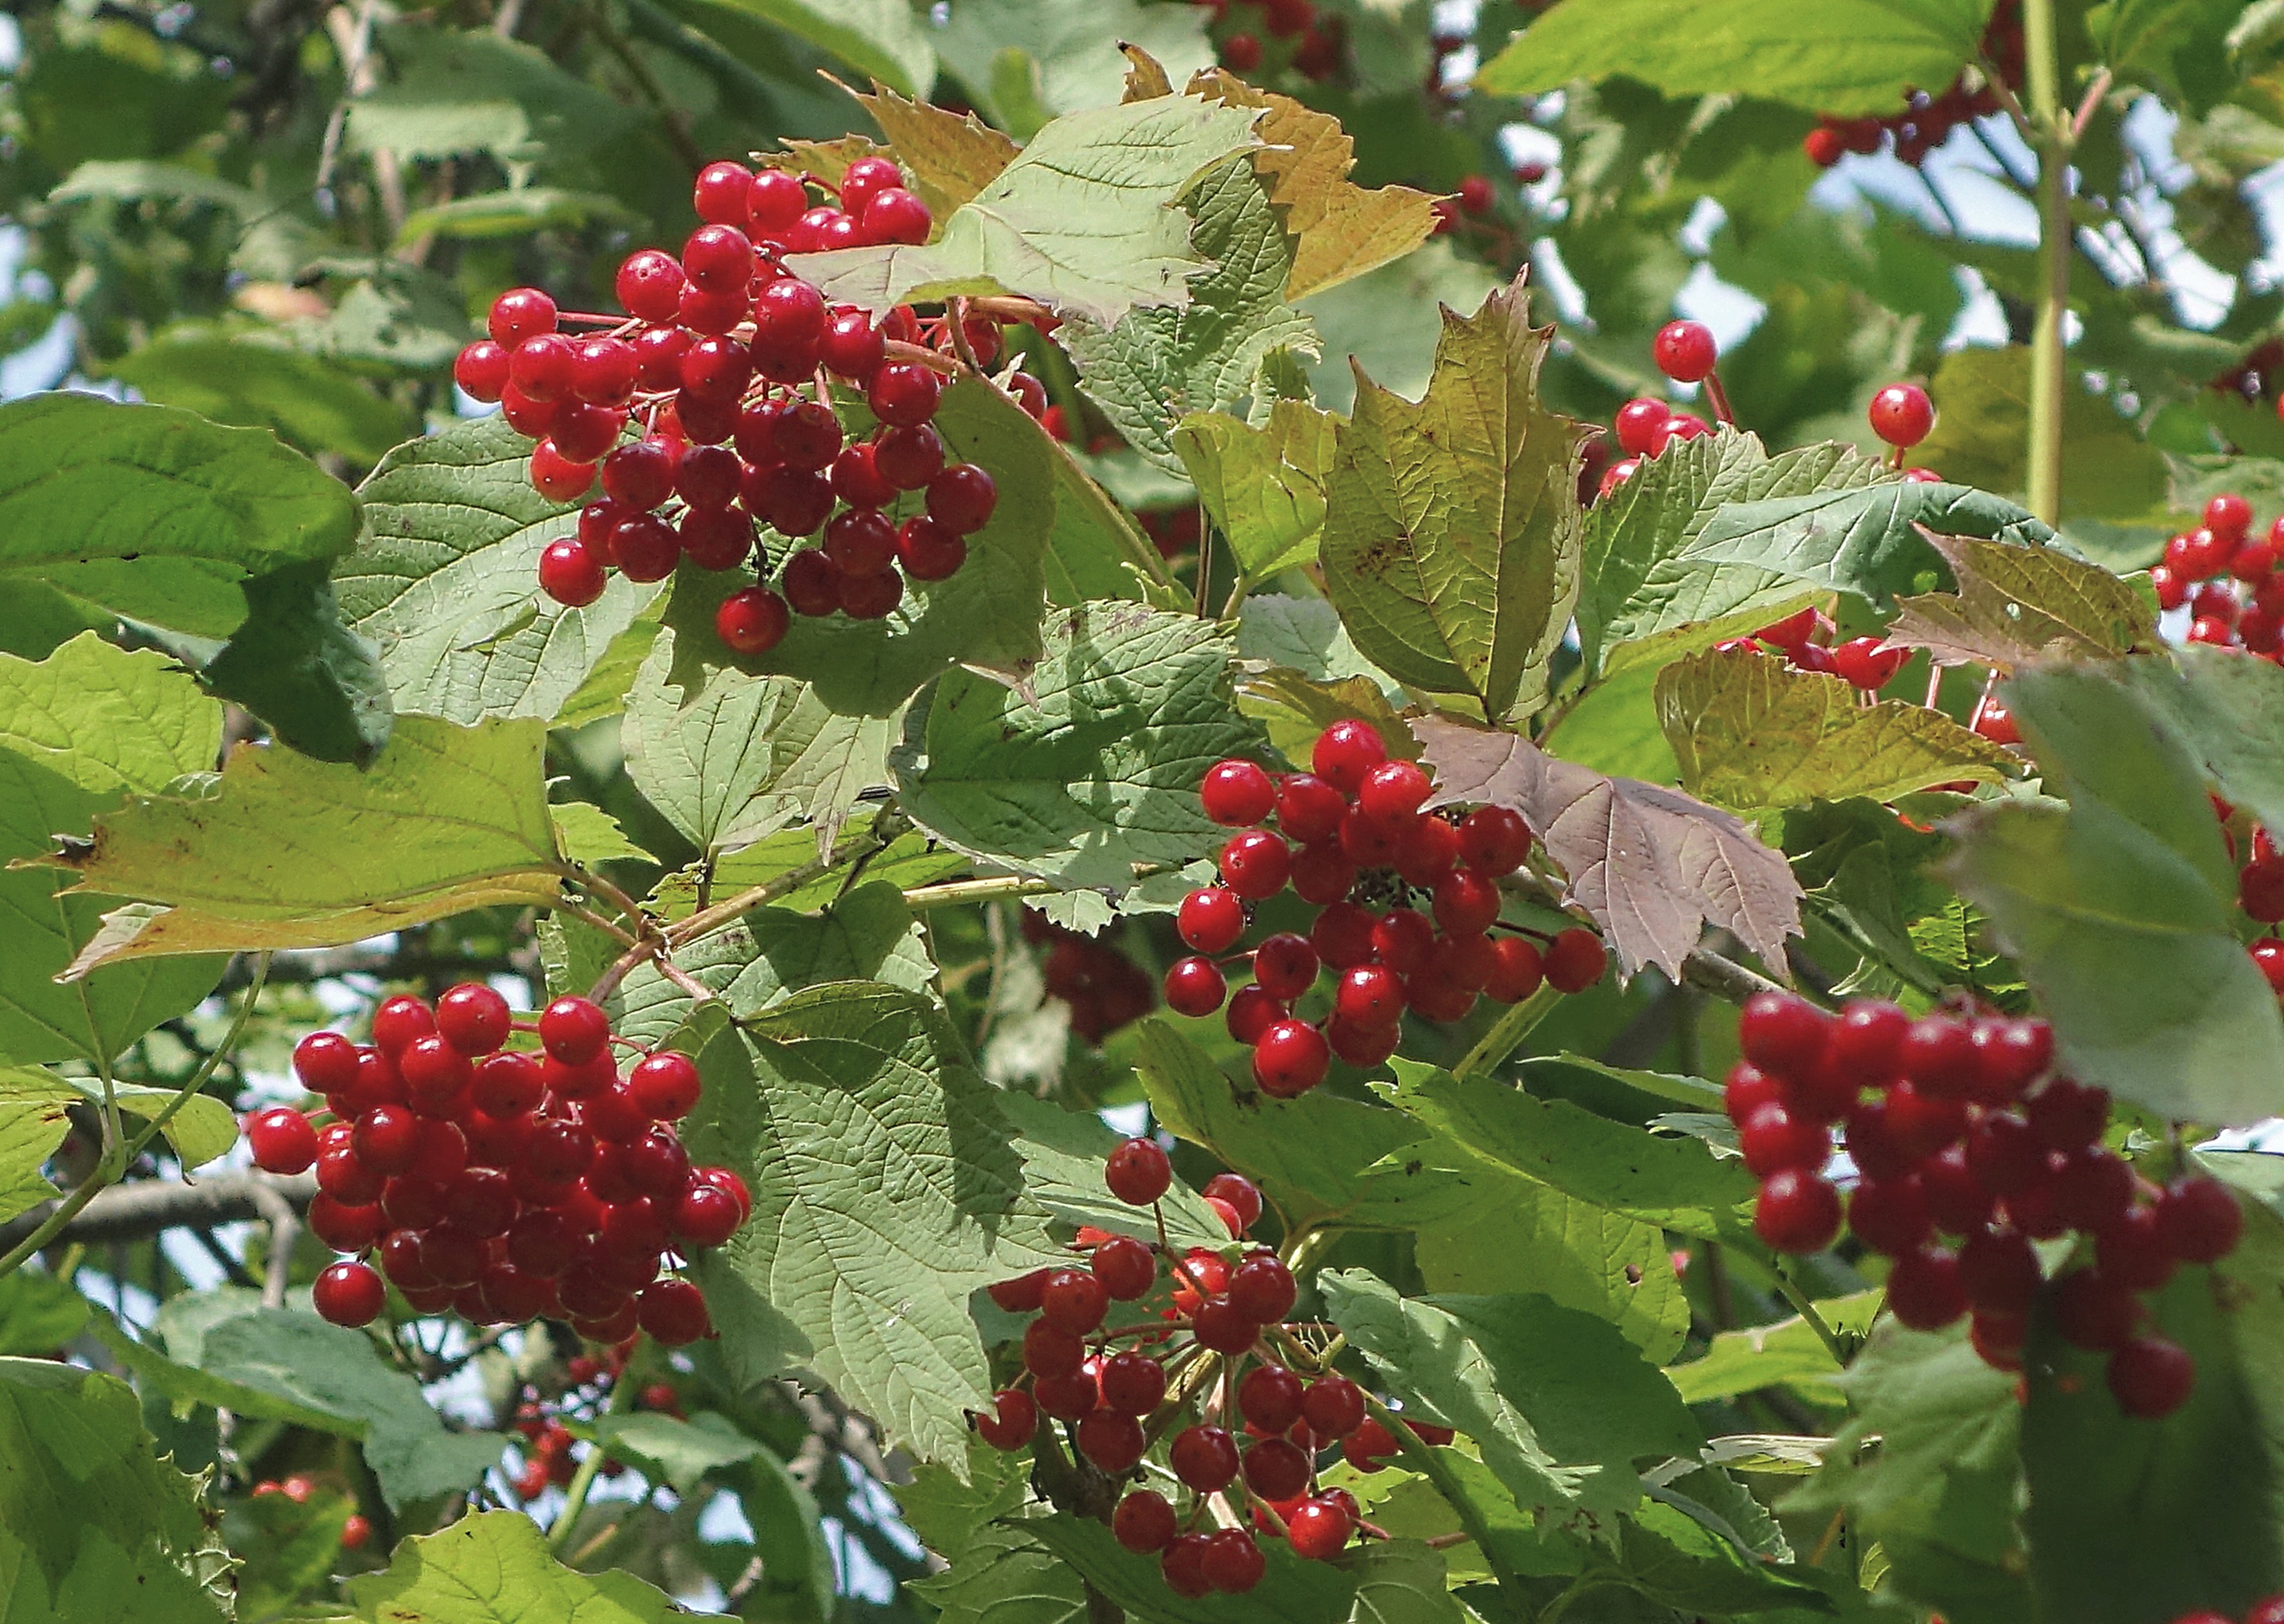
(2015, 605)
(1651, 864)
(1263, 487)
(287, 851)
(950, 157)
(1752, 734)
(1345, 229)
(1453, 527)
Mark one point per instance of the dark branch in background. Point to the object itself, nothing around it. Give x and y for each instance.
(303, 966)
(1725, 978)
(136, 1211)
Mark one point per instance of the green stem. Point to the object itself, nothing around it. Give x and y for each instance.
(575, 1498)
(1806, 1309)
(1506, 1034)
(2051, 131)
(1421, 1458)
(924, 898)
(191, 1090)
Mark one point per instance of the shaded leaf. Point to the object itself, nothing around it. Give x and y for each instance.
(39, 1313)
(294, 664)
(2229, 713)
(1982, 438)
(2017, 605)
(252, 382)
(1783, 1353)
(1385, 324)
(1022, 61)
(1752, 734)
(1652, 865)
(1263, 487)
(516, 214)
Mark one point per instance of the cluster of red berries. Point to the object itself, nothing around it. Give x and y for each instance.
(2269, 1611)
(1119, 1401)
(1927, 121)
(547, 1455)
(356, 1531)
(1958, 1128)
(1805, 639)
(2231, 581)
(1315, 41)
(1475, 196)
(2260, 890)
(1104, 989)
(503, 1185)
(1352, 841)
(722, 344)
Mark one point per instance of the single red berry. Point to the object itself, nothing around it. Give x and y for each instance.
(2151, 1378)
(481, 369)
(1126, 1268)
(1023, 1294)
(2199, 1220)
(326, 1062)
(928, 551)
(705, 1215)
(1685, 351)
(1240, 53)
(1276, 1469)
(963, 498)
(1230, 1562)
(1239, 1192)
(1494, 840)
(1144, 1522)
(282, 1140)
(1009, 1421)
(1290, 1058)
(1797, 1211)
(650, 284)
(574, 1031)
(1255, 864)
(1999, 1271)
(1211, 920)
(348, 1294)
(1774, 1140)
(1204, 1458)
(1309, 810)
(2132, 1251)
(1345, 752)
(1517, 970)
(1237, 794)
(1781, 1033)
(1113, 1441)
(1196, 987)
(1466, 903)
(1902, 415)
(1137, 1173)
(472, 1018)
(1050, 1350)
(1263, 1289)
(1319, 1528)
(751, 621)
(1074, 1299)
(2092, 1311)
(897, 216)
(1924, 1291)
(1286, 965)
(1890, 1215)
(518, 314)
(812, 583)
(1575, 959)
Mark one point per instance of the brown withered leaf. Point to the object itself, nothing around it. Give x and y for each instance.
(2018, 605)
(1652, 867)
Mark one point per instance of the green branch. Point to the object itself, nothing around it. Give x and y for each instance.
(1421, 1455)
(2051, 135)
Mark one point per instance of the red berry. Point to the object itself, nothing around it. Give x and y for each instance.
(1231, 1562)
(706, 1216)
(1575, 959)
(1345, 752)
(1237, 794)
(1902, 415)
(1797, 1211)
(325, 1062)
(1126, 1268)
(1782, 1033)
(1132, 1383)
(1263, 1289)
(282, 1140)
(1023, 1294)
(574, 1031)
(1466, 903)
(1685, 351)
(1276, 1469)
(518, 314)
(1342, 935)
(1319, 1528)
(896, 215)
(1211, 920)
(1050, 1350)
(751, 621)
(1309, 809)
(2199, 1220)
(1144, 1522)
(2091, 1187)
(2151, 1378)
(1196, 987)
(928, 551)
(1393, 791)
(1641, 427)
(1074, 1299)
(650, 285)
(1239, 1193)
(1924, 1291)
(1204, 1458)
(2131, 1251)
(1290, 1058)
(1370, 996)
(1240, 53)
(1255, 864)
(963, 498)
(1113, 1441)
(1223, 1327)
(1137, 1173)
(1890, 1215)
(1999, 1271)
(481, 369)
(1285, 965)
(1774, 1140)
(1009, 1421)
(348, 1294)
(1494, 840)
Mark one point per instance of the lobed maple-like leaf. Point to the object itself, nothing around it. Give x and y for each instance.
(1652, 865)
(2018, 605)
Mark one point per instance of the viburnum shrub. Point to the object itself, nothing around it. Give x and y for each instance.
(725, 367)
(503, 1184)
(1407, 900)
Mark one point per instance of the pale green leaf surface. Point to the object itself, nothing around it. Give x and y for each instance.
(1752, 734)
(1081, 220)
(459, 92)
(516, 213)
(494, 1567)
(702, 751)
(885, 1188)
(1263, 487)
(589, 834)
(1006, 1577)
(252, 382)
(682, 1452)
(1092, 767)
(444, 580)
(2229, 712)
(33, 1122)
(1558, 1401)
(106, 718)
(1783, 1353)
(289, 852)
(39, 1313)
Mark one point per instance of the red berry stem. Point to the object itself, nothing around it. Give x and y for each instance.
(1717, 398)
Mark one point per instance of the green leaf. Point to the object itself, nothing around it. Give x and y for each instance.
(1676, 1560)
(473, 92)
(1982, 438)
(701, 751)
(1293, 1592)
(225, 1349)
(2132, 1519)
(1940, 1492)
(106, 718)
(1785, 1353)
(136, 180)
(2230, 714)
(1851, 56)
(674, 1451)
(1386, 323)
(1652, 865)
(1078, 221)
(2184, 47)
(252, 382)
(911, 859)
(285, 1547)
(588, 835)
(986, 615)
(1402, 1581)
(38, 1312)
(2018, 605)
(1263, 487)
(1560, 1403)
(1317, 1160)
(1451, 528)
(86, 483)
(202, 1130)
(495, 1568)
(1092, 767)
(883, 38)
(2131, 874)
(885, 1190)
(294, 664)
(92, 1516)
(1063, 1156)
(1155, 366)
(1675, 1183)
(1006, 1577)
(447, 819)
(444, 580)
(516, 214)
(948, 157)
(1063, 54)
(33, 1122)
(1345, 231)
(76, 730)
(1305, 635)
(1754, 735)
(1639, 581)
